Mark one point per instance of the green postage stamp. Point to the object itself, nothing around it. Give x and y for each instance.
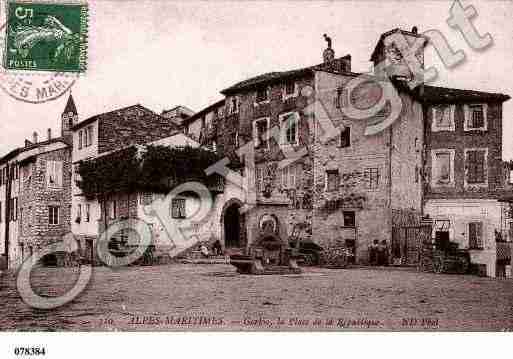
(46, 36)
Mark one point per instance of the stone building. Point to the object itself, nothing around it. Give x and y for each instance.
(465, 177)
(35, 193)
(99, 135)
(307, 160)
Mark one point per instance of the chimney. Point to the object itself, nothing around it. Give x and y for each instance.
(49, 134)
(329, 54)
(34, 137)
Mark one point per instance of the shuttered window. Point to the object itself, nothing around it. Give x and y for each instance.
(80, 139)
(333, 180)
(259, 179)
(289, 129)
(475, 235)
(476, 171)
(54, 174)
(345, 137)
(260, 129)
(178, 208)
(442, 167)
(371, 176)
(289, 176)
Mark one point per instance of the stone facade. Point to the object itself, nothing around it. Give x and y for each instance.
(375, 173)
(457, 203)
(108, 132)
(40, 198)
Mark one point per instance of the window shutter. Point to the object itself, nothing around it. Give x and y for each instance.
(479, 234)
(284, 177)
(182, 208)
(475, 233)
(50, 173)
(58, 174)
(292, 172)
(466, 112)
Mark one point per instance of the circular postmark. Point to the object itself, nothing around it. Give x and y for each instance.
(35, 88)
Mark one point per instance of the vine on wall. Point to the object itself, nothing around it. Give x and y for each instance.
(154, 169)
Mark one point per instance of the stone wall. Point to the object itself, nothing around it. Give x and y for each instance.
(459, 140)
(376, 172)
(35, 197)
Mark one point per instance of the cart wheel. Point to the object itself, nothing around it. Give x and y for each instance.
(307, 260)
(464, 265)
(438, 265)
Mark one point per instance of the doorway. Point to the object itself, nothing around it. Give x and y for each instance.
(232, 226)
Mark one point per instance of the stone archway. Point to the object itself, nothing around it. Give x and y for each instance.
(233, 225)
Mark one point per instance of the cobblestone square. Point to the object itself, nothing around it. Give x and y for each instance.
(214, 297)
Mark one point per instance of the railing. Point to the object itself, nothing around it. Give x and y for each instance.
(504, 250)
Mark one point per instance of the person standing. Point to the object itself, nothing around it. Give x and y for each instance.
(373, 253)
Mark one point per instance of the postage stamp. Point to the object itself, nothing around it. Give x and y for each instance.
(46, 36)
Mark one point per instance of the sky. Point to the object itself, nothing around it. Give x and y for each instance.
(166, 53)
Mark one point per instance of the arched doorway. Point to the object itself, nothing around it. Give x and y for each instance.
(233, 223)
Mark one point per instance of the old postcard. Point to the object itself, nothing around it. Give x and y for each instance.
(255, 166)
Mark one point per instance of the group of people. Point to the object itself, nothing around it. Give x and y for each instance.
(217, 249)
(379, 253)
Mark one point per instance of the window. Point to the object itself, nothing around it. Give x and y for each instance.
(475, 235)
(260, 133)
(417, 174)
(53, 215)
(442, 170)
(476, 117)
(80, 139)
(262, 95)
(443, 118)
(54, 174)
(13, 209)
(79, 212)
(236, 140)
(147, 198)
(371, 176)
(113, 209)
(290, 90)
(475, 165)
(289, 128)
(332, 180)
(289, 176)
(178, 208)
(259, 179)
(88, 212)
(233, 105)
(345, 137)
(349, 218)
(84, 134)
(88, 136)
